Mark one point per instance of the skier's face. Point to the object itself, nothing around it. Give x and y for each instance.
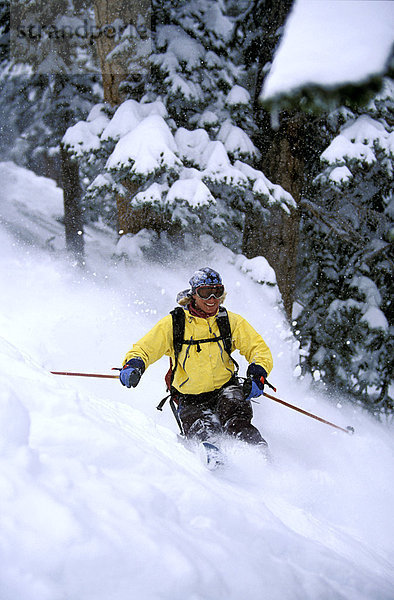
(210, 305)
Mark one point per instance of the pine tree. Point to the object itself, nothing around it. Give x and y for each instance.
(181, 158)
(287, 141)
(48, 81)
(346, 326)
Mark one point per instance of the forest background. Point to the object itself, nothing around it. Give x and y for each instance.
(159, 117)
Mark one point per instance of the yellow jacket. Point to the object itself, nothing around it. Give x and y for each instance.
(209, 369)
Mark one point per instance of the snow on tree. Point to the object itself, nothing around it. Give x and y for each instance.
(287, 144)
(177, 157)
(189, 180)
(48, 81)
(331, 51)
(197, 73)
(323, 62)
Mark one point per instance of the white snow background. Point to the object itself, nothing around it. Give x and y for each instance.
(98, 500)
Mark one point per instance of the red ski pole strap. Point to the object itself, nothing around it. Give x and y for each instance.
(265, 381)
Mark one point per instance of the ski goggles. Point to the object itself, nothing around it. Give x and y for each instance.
(207, 291)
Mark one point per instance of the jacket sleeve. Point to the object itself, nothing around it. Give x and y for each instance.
(156, 343)
(250, 343)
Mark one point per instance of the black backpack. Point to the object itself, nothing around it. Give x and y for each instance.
(178, 329)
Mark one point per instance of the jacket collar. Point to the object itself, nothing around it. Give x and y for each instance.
(199, 313)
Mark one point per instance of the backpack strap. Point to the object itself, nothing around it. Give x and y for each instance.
(178, 334)
(224, 327)
(225, 333)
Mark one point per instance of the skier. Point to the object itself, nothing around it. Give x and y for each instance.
(211, 401)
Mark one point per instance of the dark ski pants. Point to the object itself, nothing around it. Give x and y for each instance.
(223, 411)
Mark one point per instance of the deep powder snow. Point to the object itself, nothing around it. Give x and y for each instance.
(99, 501)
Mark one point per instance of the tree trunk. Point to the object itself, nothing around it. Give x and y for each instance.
(283, 160)
(277, 240)
(114, 72)
(278, 243)
(73, 221)
(133, 220)
(107, 13)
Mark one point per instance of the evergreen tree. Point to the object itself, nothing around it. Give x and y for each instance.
(48, 80)
(346, 326)
(288, 141)
(181, 158)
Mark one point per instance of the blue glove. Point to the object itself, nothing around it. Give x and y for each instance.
(257, 375)
(255, 391)
(131, 373)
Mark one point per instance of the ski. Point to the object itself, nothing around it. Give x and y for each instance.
(211, 456)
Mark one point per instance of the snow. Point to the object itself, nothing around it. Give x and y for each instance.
(180, 48)
(208, 118)
(81, 138)
(152, 194)
(192, 191)
(98, 500)
(195, 146)
(330, 43)
(264, 187)
(365, 130)
(236, 141)
(16, 208)
(341, 148)
(258, 269)
(214, 20)
(358, 140)
(84, 136)
(184, 87)
(181, 52)
(372, 314)
(191, 144)
(132, 246)
(126, 117)
(238, 95)
(218, 166)
(368, 289)
(147, 146)
(375, 318)
(130, 114)
(340, 174)
(98, 119)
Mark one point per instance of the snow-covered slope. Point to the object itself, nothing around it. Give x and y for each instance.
(98, 500)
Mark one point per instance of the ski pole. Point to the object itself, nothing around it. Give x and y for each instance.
(349, 429)
(87, 374)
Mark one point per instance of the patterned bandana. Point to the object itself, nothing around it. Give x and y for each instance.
(205, 276)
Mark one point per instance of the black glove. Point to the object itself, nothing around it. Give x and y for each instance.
(131, 373)
(258, 375)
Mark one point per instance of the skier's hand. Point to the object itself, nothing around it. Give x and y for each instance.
(257, 376)
(255, 390)
(131, 373)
